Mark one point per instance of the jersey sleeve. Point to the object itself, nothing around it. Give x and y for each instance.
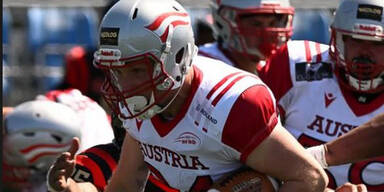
(251, 120)
(276, 73)
(96, 165)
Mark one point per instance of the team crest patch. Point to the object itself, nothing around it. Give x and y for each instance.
(109, 36)
(370, 12)
(313, 71)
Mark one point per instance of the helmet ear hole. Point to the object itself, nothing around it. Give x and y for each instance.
(135, 14)
(57, 138)
(179, 56)
(219, 25)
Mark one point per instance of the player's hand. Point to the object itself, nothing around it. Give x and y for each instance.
(349, 187)
(62, 169)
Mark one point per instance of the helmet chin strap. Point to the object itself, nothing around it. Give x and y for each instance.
(137, 103)
(364, 85)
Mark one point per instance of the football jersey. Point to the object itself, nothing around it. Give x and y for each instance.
(316, 110)
(96, 165)
(96, 127)
(228, 114)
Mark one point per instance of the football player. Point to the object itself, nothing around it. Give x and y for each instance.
(323, 92)
(35, 134)
(248, 32)
(190, 120)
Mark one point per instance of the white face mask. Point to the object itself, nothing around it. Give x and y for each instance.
(137, 104)
(364, 85)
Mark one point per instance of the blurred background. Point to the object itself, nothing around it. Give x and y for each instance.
(37, 35)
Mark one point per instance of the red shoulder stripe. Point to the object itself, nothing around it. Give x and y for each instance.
(308, 54)
(318, 52)
(221, 94)
(219, 84)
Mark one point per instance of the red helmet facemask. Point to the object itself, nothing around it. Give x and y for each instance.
(136, 86)
(256, 41)
(360, 74)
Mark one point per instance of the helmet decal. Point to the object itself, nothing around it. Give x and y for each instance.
(170, 19)
(369, 12)
(34, 152)
(109, 36)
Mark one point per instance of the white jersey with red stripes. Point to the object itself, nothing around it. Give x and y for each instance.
(215, 131)
(317, 110)
(96, 127)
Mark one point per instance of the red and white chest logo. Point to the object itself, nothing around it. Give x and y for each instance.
(329, 98)
(161, 25)
(188, 138)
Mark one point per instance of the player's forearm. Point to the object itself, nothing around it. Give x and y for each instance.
(133, 182)
(359, 144)
(136, 184)
(316, 184)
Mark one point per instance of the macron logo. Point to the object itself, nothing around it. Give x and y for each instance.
(329, 98)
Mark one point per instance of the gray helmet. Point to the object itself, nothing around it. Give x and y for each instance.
(37, 132)
(233, 36)
(359, 19)
(155, 32)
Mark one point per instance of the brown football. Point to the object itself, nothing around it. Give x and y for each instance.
(244, 180)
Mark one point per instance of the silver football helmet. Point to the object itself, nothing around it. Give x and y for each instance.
(248, 40)
(151, 39)
(364, 20)
(37, 132)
